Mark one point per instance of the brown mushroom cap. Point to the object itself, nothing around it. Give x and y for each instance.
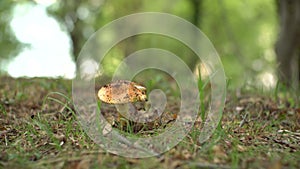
(122, 91)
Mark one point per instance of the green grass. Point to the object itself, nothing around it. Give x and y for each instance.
(42, 131)
(201, 87)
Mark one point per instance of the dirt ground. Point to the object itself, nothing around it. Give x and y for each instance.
(39, 129)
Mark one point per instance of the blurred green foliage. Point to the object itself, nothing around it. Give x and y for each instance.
(243, 32)
(9, 45)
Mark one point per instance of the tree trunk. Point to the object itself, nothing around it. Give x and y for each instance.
(288, 44)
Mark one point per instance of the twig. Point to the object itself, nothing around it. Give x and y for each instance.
(244, 120)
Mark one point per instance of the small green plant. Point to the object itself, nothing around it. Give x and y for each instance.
(201, 88)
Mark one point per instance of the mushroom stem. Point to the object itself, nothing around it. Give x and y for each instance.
(123, 109)
(128, 111)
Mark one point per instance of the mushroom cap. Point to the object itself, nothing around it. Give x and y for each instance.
(122, 91)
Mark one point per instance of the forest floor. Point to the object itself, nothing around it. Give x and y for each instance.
(39, 129)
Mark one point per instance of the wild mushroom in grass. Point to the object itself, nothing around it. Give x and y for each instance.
(122, 93)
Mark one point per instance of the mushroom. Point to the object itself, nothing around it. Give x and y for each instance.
(121, 93)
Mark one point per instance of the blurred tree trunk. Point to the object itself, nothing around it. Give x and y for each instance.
(288, 44)
(67, 14)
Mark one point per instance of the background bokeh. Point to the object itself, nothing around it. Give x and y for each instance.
(44, 37)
